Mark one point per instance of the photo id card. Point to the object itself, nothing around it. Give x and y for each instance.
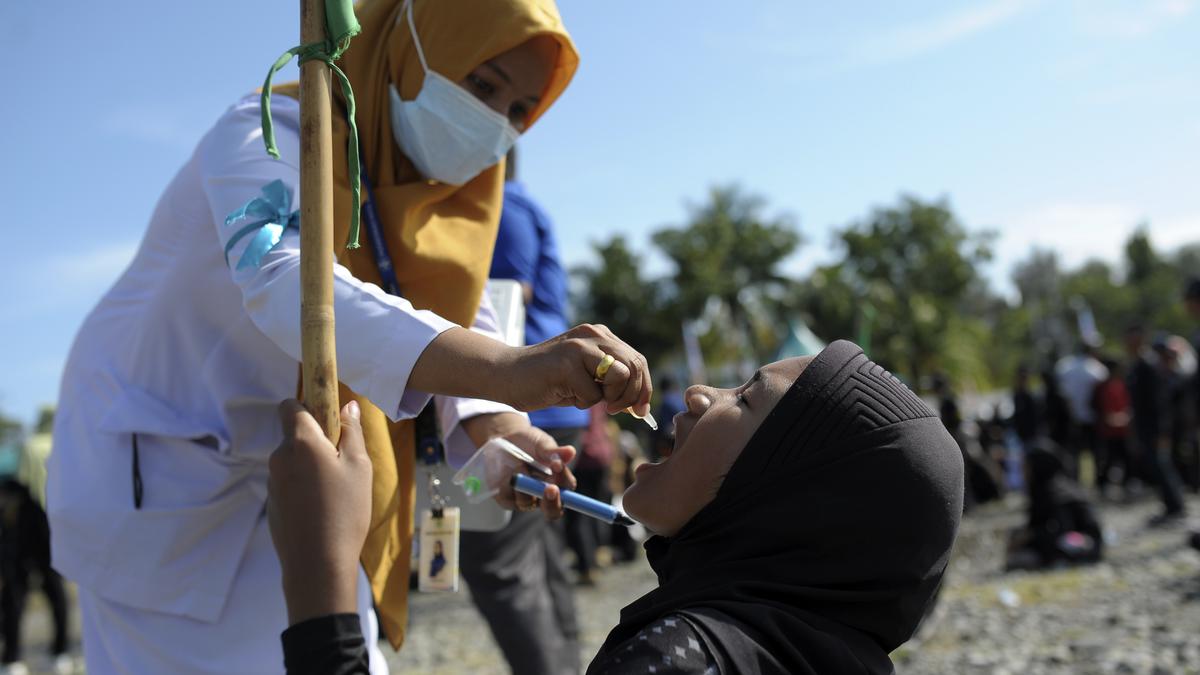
(438, 557)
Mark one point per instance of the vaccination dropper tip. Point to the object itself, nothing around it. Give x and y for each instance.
(647, 418)
(602, 370)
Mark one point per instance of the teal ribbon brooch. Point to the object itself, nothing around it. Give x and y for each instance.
(270, 214)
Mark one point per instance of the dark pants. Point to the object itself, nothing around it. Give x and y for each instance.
(1185, 454)
(1083, 437)
(585, 534)
(12, 604)
(1159, 469)
(519, 583)
(1115, 453)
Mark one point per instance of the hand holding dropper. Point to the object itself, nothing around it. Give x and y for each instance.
(602, 370)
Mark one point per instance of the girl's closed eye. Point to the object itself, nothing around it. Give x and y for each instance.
(741, 395)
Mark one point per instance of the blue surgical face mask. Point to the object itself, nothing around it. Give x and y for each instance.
(449, 135)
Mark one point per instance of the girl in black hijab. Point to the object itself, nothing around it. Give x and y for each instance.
(803, 520)
(1062, 523)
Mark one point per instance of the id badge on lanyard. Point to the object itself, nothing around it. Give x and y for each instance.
(437, 545)
(437, 553)
(437, 548)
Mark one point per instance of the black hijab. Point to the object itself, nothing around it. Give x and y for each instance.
(829, 535)
(1050, 489)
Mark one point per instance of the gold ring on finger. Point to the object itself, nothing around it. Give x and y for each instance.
(605, 364)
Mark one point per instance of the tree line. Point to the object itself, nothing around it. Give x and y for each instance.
(908, 282)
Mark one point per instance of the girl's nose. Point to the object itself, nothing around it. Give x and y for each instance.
(698, 398)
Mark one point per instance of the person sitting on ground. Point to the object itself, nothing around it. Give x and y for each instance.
(803, 522)
(1062, 526)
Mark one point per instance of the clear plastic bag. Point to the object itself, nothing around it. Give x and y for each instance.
(491, 466)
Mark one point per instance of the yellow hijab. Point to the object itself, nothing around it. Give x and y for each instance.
(440, 236)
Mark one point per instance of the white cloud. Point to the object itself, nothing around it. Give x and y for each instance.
(837, 48)
(1081, 231)
(1157, 89)
(1075, 65)
(906, 41)
(66, 282)
(1176, 231)
(58, 292)
(93, 268)
(148, 123)
(1078, 231)
(1129, 19)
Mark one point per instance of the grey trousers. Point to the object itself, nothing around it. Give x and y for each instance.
(519, 584)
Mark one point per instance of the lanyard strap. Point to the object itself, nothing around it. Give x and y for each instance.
(429, 445)
(383, 260)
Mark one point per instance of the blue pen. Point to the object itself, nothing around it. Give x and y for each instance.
(572, 500)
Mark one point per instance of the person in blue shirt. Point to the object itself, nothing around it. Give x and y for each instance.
(517, 576)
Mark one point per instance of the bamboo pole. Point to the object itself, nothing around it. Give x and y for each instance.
(318, 352)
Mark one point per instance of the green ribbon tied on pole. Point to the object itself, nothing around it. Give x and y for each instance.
(340, 26)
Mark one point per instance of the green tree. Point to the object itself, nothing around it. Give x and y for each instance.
(1144, 288)
(1141, 260)
(1039, 280)
(1113, 304)
(1155, 281)
(916, 267)
(616, 295)
(728, 253)
(1187, 260)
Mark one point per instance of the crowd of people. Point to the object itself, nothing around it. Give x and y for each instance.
(180, 509)
(1122, 419)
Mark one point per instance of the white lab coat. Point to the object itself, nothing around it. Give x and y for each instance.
(193, 358)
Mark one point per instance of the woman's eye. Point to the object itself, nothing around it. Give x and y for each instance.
(741, 399)
(518, 113)
(481, 86)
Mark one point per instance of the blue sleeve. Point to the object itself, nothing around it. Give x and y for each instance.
(517, 244)
(551, 276)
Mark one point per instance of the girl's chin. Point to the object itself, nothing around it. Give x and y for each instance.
(645, 467)
(633, 501)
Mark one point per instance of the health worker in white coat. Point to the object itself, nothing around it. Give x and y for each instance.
(157, 481)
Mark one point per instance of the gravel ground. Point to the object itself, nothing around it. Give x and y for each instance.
(1138, 612)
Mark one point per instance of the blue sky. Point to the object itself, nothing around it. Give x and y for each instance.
(1057, 123)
